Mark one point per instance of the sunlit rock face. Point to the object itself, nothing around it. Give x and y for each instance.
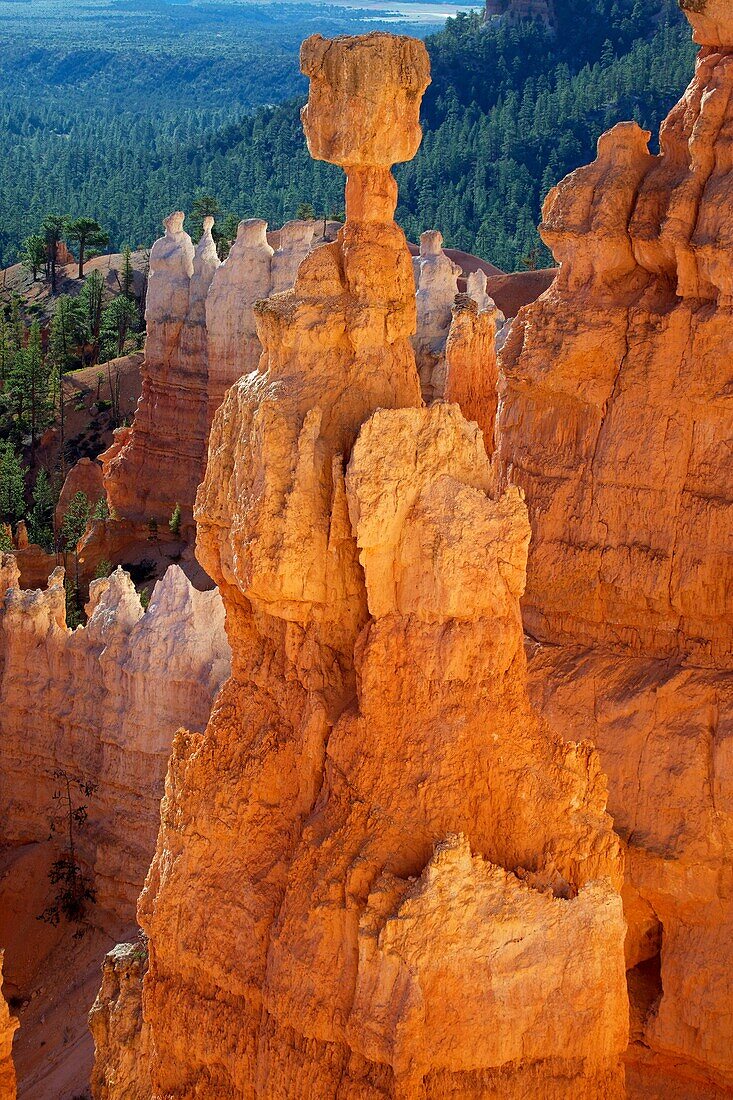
(615, 418)
(614, 406)
(378, 873)
(120, 1034)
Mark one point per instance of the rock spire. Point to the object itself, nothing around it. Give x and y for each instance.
(374, 756)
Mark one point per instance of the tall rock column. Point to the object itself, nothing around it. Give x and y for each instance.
(436, 282)
(377, 874)
(159, 461)
(243, 278)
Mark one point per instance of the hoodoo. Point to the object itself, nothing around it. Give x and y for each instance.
(378, 872)
(159, 461)
(616, 420)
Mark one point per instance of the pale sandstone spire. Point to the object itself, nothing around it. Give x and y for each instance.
(296, 239)
(171, 268)
(244, 277)
(205, 262)
(436, 280)
(476, 283)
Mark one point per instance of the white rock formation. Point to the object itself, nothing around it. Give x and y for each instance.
(243, 278)
(296, 241)
(436, 280)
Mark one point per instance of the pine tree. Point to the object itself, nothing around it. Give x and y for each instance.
(52, 230)
(127, 274)
(91, 304)
(40, 521)
(86, 233)
(37, 380)
(33, 253)
(117, 321)
(203, 206)
(12, 485)
(73, 526)
(63, 339)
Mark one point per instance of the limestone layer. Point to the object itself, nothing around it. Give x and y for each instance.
(102, 702)
(378, 873)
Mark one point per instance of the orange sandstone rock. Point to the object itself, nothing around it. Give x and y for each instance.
(378, 872)
(8, 1025)
(712, 21)
(471, 370)
(620, 420)
(34, 563)
(120, 1035)
(663, 734)
(616, 420)
(84, 477)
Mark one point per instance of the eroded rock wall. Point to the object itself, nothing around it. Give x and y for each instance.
(615, 419)
(663, 732)
(374, 756)
(103, 702)
(615, 405)
(158, 461)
